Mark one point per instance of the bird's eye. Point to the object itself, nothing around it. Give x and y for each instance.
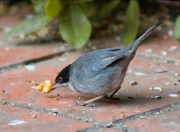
(60, 79)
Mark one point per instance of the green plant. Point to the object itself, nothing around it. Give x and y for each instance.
(177, 28)
(74, 24)
(131, 22)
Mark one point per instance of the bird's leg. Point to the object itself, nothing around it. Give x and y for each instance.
(94, 99)
(87, 103)
(112, 94)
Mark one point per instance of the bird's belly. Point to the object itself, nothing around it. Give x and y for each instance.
(99, 87)
(100, 84)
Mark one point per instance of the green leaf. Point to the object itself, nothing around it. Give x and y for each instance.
(75, 28)
(86, 7)
(39, 5)
(131, 22)
(177, 28)
(107, 8)
(53, 7)
(29, 26)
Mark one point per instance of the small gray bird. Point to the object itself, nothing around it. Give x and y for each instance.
(101, 71)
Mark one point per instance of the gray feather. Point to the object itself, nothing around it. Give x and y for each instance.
(102, 71)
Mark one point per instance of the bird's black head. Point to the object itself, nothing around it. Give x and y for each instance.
(63, 76)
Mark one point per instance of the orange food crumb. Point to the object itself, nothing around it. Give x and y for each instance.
(45, 87)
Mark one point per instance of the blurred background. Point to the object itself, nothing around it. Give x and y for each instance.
(118, 20)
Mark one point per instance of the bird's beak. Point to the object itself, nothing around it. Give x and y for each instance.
(54, 86)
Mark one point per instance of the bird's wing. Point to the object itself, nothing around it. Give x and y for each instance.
(98, 59)
(111, 57)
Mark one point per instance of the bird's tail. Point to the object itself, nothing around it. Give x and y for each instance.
(133, 47)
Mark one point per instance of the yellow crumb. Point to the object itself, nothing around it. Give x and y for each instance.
(45, 87)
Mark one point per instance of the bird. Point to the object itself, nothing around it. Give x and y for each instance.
(100, 72)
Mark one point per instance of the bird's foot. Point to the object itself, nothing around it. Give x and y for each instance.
(111, 97)
(83, 104)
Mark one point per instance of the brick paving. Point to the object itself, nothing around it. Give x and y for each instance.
(151, 105)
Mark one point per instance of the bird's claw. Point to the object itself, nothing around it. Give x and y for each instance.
(111, 97)
(78, 103)
(84, 104)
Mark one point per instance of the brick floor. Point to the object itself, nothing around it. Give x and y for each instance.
(159, 122)
(19, 54)
(151, 105)
(24, 120)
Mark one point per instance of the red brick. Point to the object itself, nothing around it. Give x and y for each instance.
(11, 55)
(11, 21)
(15, 87)
(19, 90)
(169, 46)
(43, 121)
(164, 122)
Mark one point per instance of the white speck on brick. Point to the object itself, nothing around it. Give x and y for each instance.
(30, 67)
(16, 122)
(157, 88)
(62, 59)
(148, 51)
(163, 52)
(173, 95)
(139, 74)
(34, 87)
(63, 102)
(167, 83)
(173, 48)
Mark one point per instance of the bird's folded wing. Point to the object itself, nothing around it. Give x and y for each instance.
(109, 60)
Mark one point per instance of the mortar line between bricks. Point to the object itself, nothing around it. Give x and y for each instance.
(149, 113)
(42, 110)
(120, 123)
(144, 115)
(39, 59)
(101, 124)
(34, 60)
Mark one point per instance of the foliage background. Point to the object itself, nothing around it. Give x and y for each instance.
(78, 20)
